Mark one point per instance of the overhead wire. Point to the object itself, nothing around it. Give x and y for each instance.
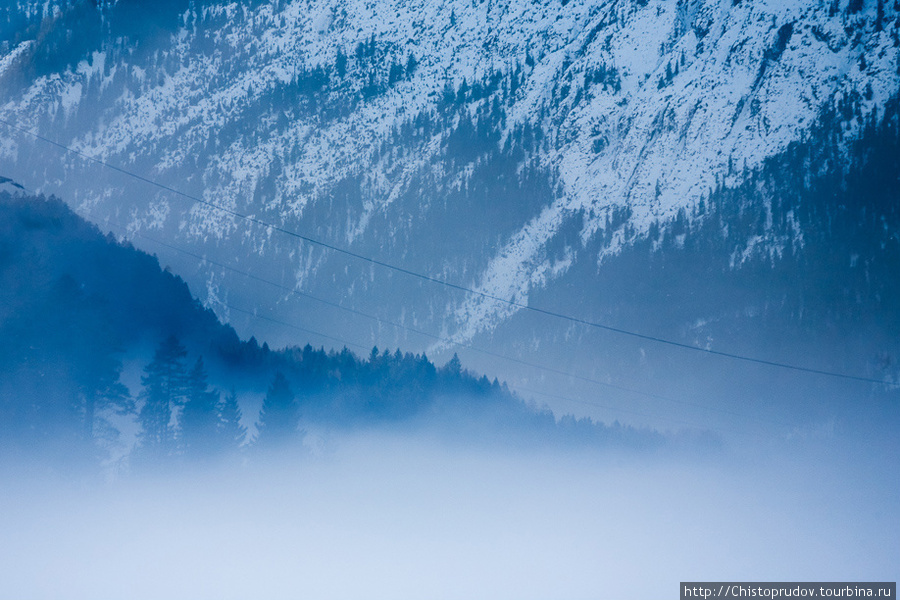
(522, 389)
(435, 337)
(409, 272)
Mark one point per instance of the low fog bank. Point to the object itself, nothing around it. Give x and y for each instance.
(408, 517)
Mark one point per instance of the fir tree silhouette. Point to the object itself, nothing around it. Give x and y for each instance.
(279, 417)
(200, 417)
(164, 384)
(231, 433)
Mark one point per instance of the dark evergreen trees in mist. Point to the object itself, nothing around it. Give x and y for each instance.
(165, 384)
(231, 433)
(75, 304)
(181, 416)
(200, 429)
(279, 418)
(59, 363)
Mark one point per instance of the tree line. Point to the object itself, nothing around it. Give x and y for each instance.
(208, 423)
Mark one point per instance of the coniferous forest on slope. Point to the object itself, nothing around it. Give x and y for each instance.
(77, 304)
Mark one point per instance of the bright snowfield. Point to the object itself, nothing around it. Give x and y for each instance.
(405, 519)
(645, 105)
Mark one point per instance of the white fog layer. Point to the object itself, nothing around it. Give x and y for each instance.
(390, 518)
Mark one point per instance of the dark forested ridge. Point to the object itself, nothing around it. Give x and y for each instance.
(75, 305)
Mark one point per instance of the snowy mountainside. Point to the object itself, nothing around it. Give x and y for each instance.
(393, 128)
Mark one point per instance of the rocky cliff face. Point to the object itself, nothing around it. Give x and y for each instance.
(502, 146)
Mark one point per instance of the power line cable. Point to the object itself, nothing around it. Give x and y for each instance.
(448, 284)
(515, 387)
(518, 387)
(433, 336)
(545, 368)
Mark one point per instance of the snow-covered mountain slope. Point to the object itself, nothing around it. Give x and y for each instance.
(492, 144)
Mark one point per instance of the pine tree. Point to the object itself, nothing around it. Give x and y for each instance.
(395, 73)
(231, 433)
(279, 417)
(200, 417)
(411, 64)
(104, 392)
(453, 368)
(340, 64)
(164, 390)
